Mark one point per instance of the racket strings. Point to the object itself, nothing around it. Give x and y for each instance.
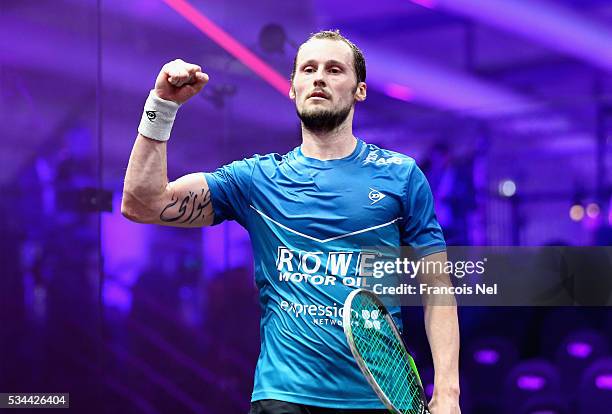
(386, 357)
(397, 381)
(404, 385)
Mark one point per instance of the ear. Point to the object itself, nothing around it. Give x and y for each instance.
(361, 92)
(291, 92)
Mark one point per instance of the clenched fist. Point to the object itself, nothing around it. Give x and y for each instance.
(178, 81)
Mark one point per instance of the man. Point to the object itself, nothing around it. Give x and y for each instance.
(308, 214)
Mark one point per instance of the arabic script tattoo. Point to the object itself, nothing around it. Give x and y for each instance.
(190, 209)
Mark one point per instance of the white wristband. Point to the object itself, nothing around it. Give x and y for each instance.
(157, 117)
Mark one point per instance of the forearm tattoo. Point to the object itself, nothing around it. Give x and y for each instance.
(191, 208)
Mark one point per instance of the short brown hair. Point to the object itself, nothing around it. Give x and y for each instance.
(358, 58)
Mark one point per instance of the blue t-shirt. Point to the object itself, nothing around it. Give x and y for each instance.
(308, 221)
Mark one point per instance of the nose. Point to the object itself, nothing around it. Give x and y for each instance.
(319, 78)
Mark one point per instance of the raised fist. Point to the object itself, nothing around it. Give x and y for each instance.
(178, 81)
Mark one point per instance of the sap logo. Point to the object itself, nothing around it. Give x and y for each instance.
(391, 160)
(373, 158)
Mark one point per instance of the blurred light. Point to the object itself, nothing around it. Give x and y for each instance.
(403, 93)
(39, 303)
(576, 212)
(115, 295)
(531, 382)
(124, 245)
(440, 87)
(553, 25)
(531, 124)
(430, 4)
(579, 349)
(592, 210)
(231, 45)
(507, 188)
(486, 356)
(189, 305)
(604, 382)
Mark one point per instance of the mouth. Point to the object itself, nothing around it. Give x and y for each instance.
(319, 95)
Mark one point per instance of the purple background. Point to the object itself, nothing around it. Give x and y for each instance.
(144, 319)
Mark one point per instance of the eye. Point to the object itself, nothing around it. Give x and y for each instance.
(308, 69)
(335, 70)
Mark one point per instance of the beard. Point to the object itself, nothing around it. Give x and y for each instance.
(324, 120)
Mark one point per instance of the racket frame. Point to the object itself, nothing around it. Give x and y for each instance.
(348, 332)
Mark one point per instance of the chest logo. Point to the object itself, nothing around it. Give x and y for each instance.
(375, 196)
(374, 158)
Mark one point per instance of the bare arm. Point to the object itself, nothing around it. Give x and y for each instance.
(148, 196)
(442, 327)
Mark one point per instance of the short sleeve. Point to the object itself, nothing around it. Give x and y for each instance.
(230, 188)
(420, 228)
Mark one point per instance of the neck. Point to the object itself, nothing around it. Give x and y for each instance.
(329, 145)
